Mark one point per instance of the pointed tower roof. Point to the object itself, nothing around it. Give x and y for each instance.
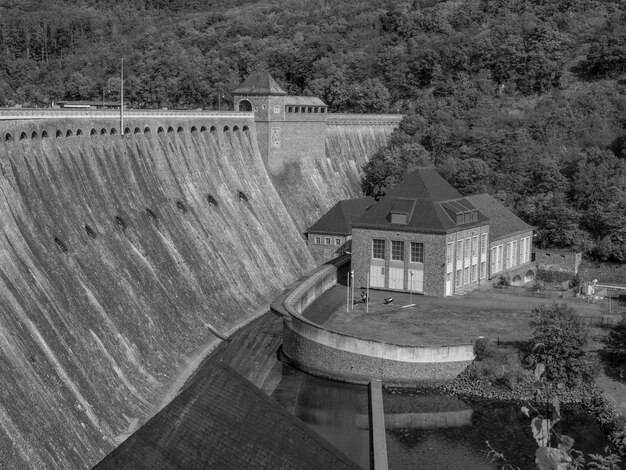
(259, 83)
(425, 183)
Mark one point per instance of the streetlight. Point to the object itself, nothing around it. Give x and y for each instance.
(411, 290)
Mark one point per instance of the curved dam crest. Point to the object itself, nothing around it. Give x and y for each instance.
(121, 255)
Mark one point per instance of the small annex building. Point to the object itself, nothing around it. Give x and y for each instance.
(423, 236)
(331, 235)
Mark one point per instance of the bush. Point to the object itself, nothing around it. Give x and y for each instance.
(616, 345)
(554, 276)
(501, 366)
(560, 339)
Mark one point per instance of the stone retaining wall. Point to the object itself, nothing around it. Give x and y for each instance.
(347, 358)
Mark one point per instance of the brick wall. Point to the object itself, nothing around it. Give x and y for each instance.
(322, 251)
(557, 260)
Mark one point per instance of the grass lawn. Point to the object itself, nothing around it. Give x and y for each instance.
(441, 321)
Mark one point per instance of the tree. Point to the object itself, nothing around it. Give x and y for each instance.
(616, 345)
(560, 339)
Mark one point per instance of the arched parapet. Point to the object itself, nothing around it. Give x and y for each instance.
(340, 119)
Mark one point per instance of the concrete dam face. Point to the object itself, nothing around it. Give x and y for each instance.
(121, 255)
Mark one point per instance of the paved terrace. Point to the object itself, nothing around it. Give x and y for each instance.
(431, 321)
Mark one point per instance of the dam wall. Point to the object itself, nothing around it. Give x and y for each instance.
(120, 256)
(311, 180)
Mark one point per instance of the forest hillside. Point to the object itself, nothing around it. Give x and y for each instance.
(524, 99)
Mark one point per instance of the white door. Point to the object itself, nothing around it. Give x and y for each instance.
(416, 280)
(377, 276)
(396, 278)
(448, 284)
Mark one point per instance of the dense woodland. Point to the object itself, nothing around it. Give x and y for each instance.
(525, 99)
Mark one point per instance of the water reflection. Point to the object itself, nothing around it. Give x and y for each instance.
(425, 430)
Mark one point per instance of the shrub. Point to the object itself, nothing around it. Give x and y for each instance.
(501, 366)
(560, 338)
(616, 345)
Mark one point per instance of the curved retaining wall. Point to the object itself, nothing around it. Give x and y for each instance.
(343, 357)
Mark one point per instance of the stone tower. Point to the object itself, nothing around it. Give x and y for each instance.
(289, 128)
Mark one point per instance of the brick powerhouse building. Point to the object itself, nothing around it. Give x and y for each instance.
(425, 237)
(331, 235)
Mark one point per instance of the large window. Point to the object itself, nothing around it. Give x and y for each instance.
(459, 249)
(483, 270)
(514, 253)
(459, 278)
(466, 276)
(483, 243)
(467, 247)
(449, 250)
(338, 241)
(507, 256)
(475, 245)
(318, 240)
(397, 250)
(493, 260)
(378, 249)
(327, 241)
(499, 258)
(417, 252)
(474, 272)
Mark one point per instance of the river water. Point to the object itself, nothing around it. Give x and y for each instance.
(425, 429)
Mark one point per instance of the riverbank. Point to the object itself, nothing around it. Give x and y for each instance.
(590, 397)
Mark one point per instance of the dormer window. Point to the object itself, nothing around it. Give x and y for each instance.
(459, 219)
(401, 211)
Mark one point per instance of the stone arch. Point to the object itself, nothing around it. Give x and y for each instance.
(226, 129)
(23, 136)
(235, 128)
(103, 131)
(213, 130)
(34, 135)
(160, 130)
(245, 129)
(59, 134)
(113, 131)
(517, 280)
(530, 276)
(8, 137)
(170, 130)
(127, 130)
(203, 129)
(44, 134)
(137, 130)
(146, 130)
(93, 132)
(79, 132)
(194, 129)
(179, 129)
(69, 133)
(245, 106)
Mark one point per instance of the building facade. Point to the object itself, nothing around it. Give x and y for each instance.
(424, 237)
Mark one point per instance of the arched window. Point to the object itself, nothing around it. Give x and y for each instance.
(93, 132)
(226, 129)
(170, 130)
(202, 129)
(179, 130)
(245, 106)
(103, 131)
(160, 130)
(69, 133)
(79, 132)
(213, 130)
(127, 131)
(113, 131)
(59, 134)
(146, 130)
(8, 138)
(23, 136)
(137, 130)
(235, 129)
(44, 135)
(34, 135)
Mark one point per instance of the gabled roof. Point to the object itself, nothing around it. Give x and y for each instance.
(436, 207)
(504, 223)
(338, 220)
(303, 101)
(223, 422)
(259, 83)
